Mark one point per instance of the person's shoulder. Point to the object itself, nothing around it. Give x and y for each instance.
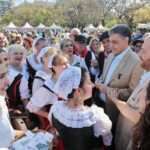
(76, 57)
(3, 106)
(2, 100)
(58, 105)
(40, 73)
(133, 56)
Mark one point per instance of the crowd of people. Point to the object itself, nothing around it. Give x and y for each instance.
(90, 90)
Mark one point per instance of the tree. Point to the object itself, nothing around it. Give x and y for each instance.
(81, 12)
(125, 10)
(142, 15)
(34, 14)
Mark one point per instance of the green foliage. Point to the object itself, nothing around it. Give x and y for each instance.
(78, 13)
(34, 14)
(111, 22)
(142, 15)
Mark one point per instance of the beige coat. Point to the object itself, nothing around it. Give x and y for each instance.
(123, 81)
(126, 77)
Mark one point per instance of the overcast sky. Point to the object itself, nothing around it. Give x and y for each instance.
(17, 2)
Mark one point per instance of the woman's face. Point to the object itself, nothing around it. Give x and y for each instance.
(95, 45)
(39, 46)
(59, 68)
(68, 48)
(3, 81)
(4, 58)
(87, 88)
(46, 61)
(16, 58)
(26, 44)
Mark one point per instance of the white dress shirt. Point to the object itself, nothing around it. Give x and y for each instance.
(112, 69)
(114, 65)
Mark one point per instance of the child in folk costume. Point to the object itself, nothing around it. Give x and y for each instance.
(78, 125)
(45, 55)
(45, 95)
(32, 63)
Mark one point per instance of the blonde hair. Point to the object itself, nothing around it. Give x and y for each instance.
(59, 58)
(92, 40)
(51, 51)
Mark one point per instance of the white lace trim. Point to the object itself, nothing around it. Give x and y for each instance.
(75, 118)
(83, 117)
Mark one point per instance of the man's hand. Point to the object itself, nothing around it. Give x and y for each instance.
(112, 94)
(102, 88)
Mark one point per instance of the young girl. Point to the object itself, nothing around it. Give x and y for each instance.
(45, 55)
(45, 95)
(78, 125)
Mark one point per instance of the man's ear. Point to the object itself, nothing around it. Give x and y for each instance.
(127, 39)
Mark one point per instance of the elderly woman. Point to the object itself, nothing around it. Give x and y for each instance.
(17, 83)
(67, 47)
(78, 125)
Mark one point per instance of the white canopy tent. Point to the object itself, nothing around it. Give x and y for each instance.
(41, 26)
(101, 28)
(56, 28)
(11, 27)
(90, 28)
(144, 26)
(27, 27)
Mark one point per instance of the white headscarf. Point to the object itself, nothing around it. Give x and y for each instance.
(43, 52)
(34, 43)
(68, 80)
(50, 61)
